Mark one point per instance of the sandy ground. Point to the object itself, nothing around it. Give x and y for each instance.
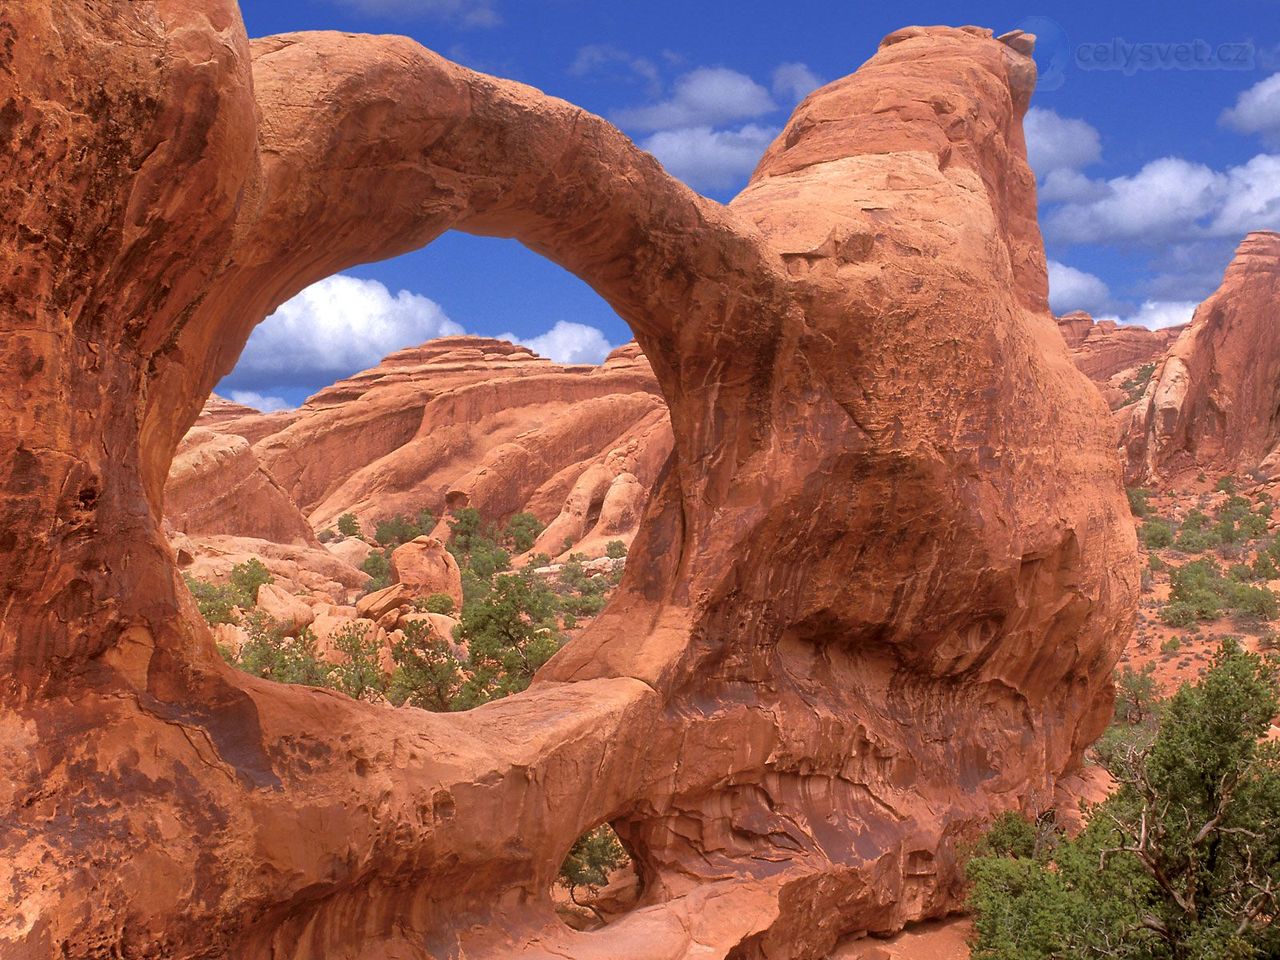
(934, 940)
(1195, 644)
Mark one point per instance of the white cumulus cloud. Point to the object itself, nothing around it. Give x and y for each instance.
(1070, 186)
(251, 398)
(1072, 289)
(1250, 198)
(792, 82)
(333, 328)
(566, 342)
(1257, 111)
(1154, 314)
(1055, 142)
(707, 96)
(1171, 200)
(709, 159)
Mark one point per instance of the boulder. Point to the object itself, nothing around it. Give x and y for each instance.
(283, 607)
(350, 550)
(380, 602)
(426, 567)
(216, 486)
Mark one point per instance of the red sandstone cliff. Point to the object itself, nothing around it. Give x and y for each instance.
(1214, 401)
(876, 597)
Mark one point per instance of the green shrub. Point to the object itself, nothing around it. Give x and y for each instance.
(1156, 533)
(1180, 862)
(360, 674)
(247, 577)
(218, 603)
(1240, 572)
(1264, 568)
(1135, 694)
(1253, 601)
(1237, 523)
(594, 856)
(1171, 646)
(465, 525)
(1138, 501)
(1196, 534)
(1010, 835)
(522, 531)
(580, 595)
(427, 675)
(1179, 613)
(1195, 593)
(271, 654)
(475, 546)
(436, 603)
(1226, 484)
(399, 529)
(378, 567)
(327, 535)
(348, 525)
(615, 549)
(487, 558)
(1136, 385)
(510, 633)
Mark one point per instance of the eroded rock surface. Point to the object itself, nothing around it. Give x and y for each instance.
(1214, 401)
(877, 595)
(218, 487)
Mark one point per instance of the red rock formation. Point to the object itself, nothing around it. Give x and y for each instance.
(458, 421)
(1102, 349)
(1075, 327)
(299, 569)
(1214, 401)
(217, 486)
(877, 596)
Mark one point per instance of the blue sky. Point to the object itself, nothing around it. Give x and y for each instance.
(1150, 173)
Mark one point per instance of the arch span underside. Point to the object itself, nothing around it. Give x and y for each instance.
(876, 597)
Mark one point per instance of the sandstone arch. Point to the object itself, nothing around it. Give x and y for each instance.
(877, 595)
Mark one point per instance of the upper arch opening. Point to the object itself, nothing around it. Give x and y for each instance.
(388, 508)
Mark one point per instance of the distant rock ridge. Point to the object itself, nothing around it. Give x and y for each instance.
(453, 422)
(1103, 348)
(1213, 403)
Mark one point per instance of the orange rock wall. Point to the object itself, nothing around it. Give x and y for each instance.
(876, 598)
